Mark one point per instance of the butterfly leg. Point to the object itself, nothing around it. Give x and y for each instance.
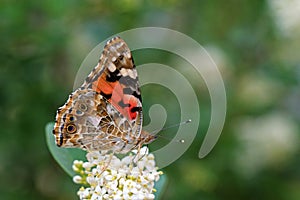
(138, 155)
(106, 164)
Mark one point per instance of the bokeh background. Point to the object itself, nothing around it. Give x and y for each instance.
(255, 44)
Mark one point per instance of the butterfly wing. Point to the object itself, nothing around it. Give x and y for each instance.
(115, 78)
(105, 113)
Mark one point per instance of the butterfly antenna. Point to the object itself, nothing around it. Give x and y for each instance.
(172, 126)
(168, 127)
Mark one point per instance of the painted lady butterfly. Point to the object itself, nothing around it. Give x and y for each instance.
(105, 113)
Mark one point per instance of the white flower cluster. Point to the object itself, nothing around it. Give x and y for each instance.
(108, 177)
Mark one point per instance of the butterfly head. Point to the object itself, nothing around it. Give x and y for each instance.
(146, 138)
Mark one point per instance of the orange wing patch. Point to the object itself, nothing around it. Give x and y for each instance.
(113, 91)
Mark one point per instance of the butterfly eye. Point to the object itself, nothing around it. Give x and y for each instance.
(71, 128)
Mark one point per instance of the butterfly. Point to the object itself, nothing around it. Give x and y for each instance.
(105, 113)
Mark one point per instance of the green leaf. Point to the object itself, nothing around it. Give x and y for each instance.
(160, 186)
(64, 156)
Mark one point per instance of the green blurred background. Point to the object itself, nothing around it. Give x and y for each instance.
(254, 43)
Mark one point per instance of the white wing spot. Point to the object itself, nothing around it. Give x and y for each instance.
(135, 73)
(111, 67)
(124, 72)
(127, 54)
(131, 74)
